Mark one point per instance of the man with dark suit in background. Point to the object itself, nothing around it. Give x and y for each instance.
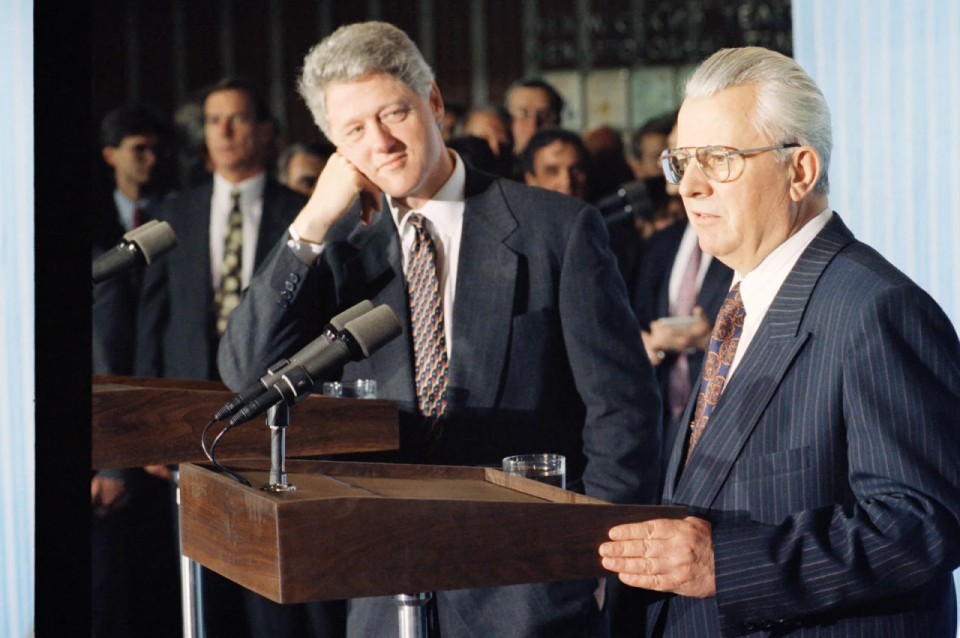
(536, 349)
(226, 227)
(820, 468)
(133, 553)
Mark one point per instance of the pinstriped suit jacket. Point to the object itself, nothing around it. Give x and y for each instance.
(829, 469)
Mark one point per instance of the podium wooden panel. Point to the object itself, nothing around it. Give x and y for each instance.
(145, 421)
(353, 530)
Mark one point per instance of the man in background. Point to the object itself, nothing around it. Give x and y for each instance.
(226, 227)
(300, 165)
(557, 160)
(533, 105)
(133, 559)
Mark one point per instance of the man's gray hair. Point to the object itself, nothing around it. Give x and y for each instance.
(356, 50)
(790, 107)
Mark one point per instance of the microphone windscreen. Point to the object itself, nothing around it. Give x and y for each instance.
(375, 329)
(153, 238)
(351, 313)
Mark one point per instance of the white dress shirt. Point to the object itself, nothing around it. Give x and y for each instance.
(444, 221)
(761, 285)
(251, 203)
(680, 263)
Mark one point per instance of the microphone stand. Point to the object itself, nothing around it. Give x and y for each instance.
(278, 418)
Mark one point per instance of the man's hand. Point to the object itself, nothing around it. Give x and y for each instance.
(666, 338)
(337, 188)
(160, 471)
(664, 555)
(107, 495)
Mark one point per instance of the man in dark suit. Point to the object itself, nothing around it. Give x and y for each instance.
(821, 466)
(133, 557)
(226, 227)
(534, 344)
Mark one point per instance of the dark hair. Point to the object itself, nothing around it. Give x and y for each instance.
(320, 149)
(546, 137)
(133, 119)
(660, 125)
(260, 106)
(556, 100)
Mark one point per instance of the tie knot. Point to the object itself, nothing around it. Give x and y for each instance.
(417, 221)
(235, 199)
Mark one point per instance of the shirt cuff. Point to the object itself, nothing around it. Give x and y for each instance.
(306, 251)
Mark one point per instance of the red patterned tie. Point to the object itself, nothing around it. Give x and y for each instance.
(723, 347)
(426, 312)
(680, 385)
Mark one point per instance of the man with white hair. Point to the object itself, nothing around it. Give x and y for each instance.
(508, 294)
(820, 464)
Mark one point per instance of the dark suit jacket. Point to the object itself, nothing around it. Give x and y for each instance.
(177, 335)
(546, 354)
(829, 468)
(115, 300)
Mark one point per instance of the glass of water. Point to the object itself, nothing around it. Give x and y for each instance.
(355, 389)
(545, 468)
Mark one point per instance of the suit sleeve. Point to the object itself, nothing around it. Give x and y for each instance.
(621, 434)
(280, 312)
(901, 397)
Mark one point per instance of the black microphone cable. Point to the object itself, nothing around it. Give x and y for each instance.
(210, 452)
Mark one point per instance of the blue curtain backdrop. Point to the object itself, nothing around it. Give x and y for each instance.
(16, 319)
(890, 70)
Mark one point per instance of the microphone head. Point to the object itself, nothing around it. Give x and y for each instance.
(362, 308)
(375, 329)
(153, 239)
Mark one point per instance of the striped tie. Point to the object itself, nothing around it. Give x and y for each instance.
(720, 353)
(231, 269)
(429, 342)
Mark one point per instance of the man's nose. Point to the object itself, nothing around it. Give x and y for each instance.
(694, 183)
(383, 139)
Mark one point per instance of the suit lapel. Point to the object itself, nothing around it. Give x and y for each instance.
(486, 280)
(272, 222)
(759, 375)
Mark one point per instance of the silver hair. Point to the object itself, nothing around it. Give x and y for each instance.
(356, 50)
(790, 107)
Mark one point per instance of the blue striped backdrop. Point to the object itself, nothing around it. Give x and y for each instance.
(16, 319)
(890, 70)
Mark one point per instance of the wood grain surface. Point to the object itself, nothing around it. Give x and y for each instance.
(362, 529)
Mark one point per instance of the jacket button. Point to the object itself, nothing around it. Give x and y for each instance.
(294, 277)
(286, 295)
(290, 286)
(283, 303)
(750, 626)
(766, 625)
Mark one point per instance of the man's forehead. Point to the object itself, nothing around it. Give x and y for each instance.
(234, 100)
(724, 118)
(557, 152)
(529, 94)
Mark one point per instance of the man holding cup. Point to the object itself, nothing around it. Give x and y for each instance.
(518, 334)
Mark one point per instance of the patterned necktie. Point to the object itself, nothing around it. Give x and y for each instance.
(426, 312)
(723, 347)
(680, 386)
(231, 269)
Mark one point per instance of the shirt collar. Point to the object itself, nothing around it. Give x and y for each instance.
(760, 286)
(251, 189)
(445, 208)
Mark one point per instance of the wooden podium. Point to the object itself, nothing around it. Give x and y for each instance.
(349, 530)
(352, 530)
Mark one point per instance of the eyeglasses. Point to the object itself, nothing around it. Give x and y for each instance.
(717, 163)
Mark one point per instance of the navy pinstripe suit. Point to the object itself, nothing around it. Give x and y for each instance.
(829, 468)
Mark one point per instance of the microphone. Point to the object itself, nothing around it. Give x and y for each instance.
(142, 245)
(359, 339)
(331, 332)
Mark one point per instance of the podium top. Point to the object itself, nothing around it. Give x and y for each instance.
(141, 421)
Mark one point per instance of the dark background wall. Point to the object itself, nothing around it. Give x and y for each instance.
(161, 51)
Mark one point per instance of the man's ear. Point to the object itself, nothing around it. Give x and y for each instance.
(805, 172)
(436, 103)
(530, 179)
(108, 154)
